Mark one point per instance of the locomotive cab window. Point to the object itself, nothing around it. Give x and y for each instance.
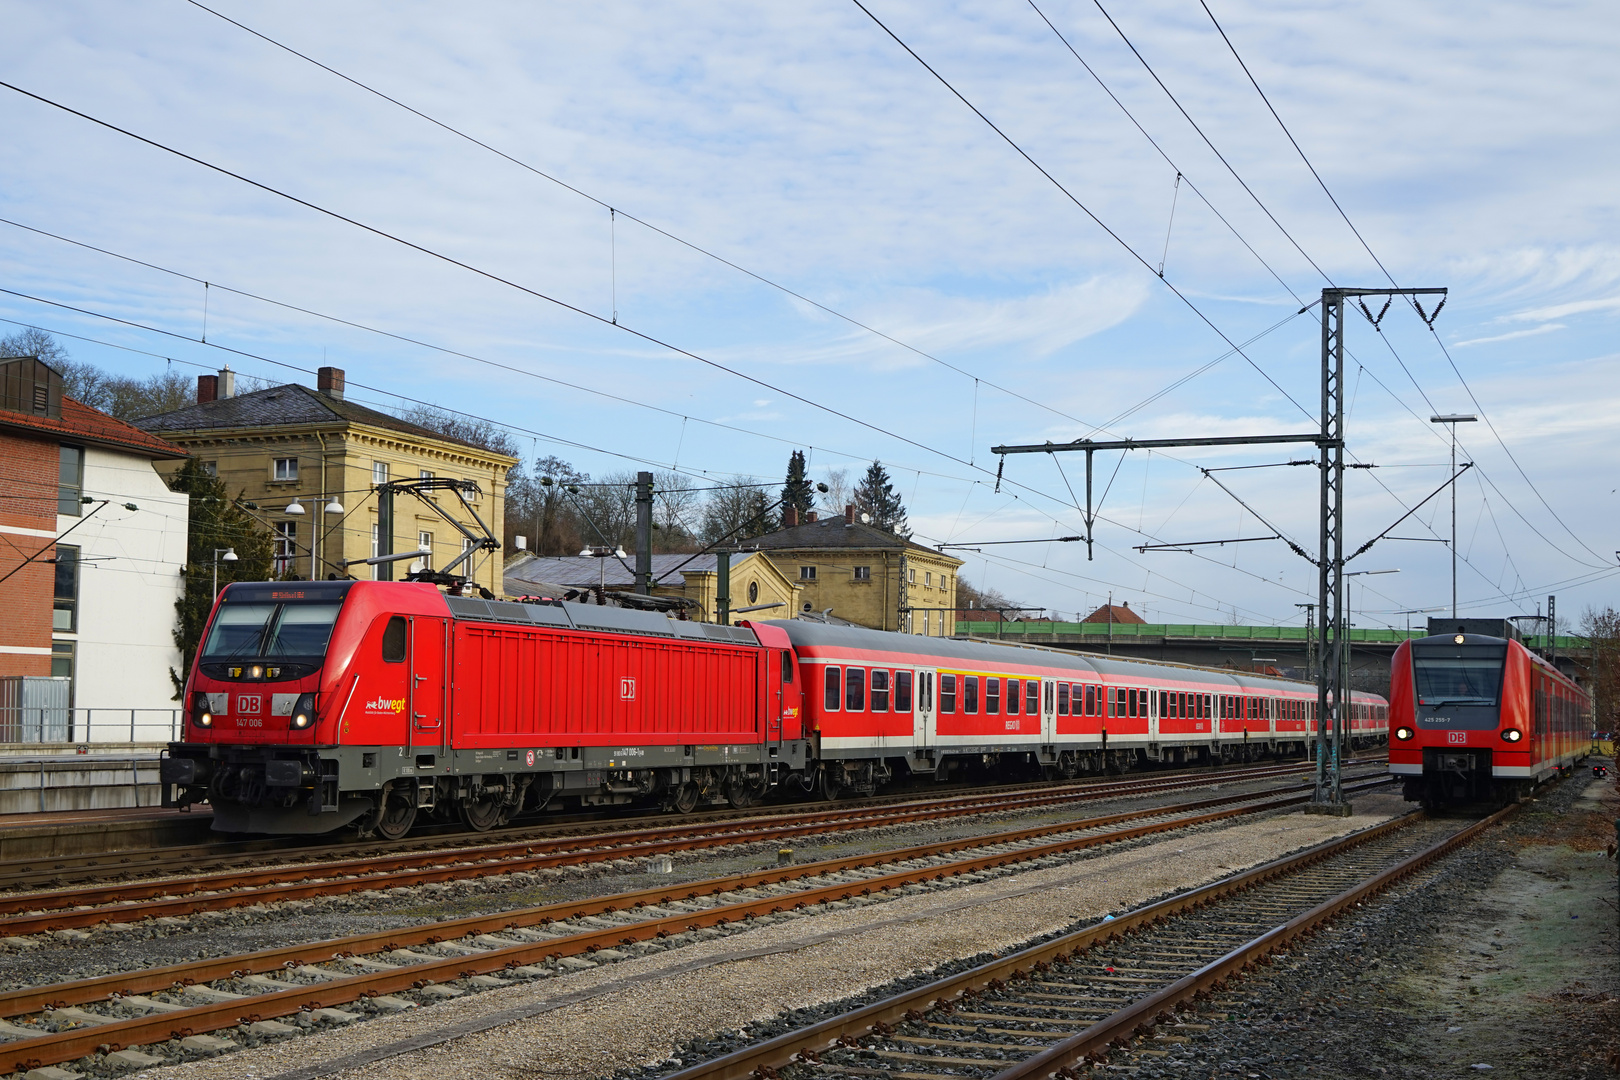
(835, 689)
(787, 666)
(393, 640)
(1457, 674)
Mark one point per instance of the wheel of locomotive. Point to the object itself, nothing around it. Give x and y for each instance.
(827, 787)
(685, 798)
(481, 813)
(743, 793)
(397, 816)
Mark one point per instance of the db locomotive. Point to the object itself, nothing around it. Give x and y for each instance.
(1475, 716)
(314, 706)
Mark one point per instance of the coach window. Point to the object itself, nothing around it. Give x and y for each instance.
(835, 689)
(992, 696)
(393, 641)
(1063, 699)
(880, 690)
(970, 694)
(1032, 697)
(947, 693)
(1091, 699)
(902, 691)
(854, 689)
(1012, 697)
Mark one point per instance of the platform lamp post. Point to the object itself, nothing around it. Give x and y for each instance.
(1454, 419)
(229, 555)
(602, 553)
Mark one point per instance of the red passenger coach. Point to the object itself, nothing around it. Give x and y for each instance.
(1475, 716)
(314, 706)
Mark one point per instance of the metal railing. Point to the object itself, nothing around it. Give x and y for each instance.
(35, 724)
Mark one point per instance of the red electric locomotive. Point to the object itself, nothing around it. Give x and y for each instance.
(1477, 717)
(314, 706)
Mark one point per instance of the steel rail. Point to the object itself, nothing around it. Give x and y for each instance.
(806, 1044)
(123, 864)
(31, 912)
(117, 1034)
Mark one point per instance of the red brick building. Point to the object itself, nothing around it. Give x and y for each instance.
(44, 441)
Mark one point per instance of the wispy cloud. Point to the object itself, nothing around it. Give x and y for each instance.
(1533, 332)
(1564, 311)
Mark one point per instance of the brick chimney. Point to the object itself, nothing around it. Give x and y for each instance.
(849, 513)
(207, 388)
(329, 381)
(790, 516)
(812, 516)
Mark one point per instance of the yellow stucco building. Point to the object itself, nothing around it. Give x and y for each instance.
(300, 454)
(864, 575)
(759, 590)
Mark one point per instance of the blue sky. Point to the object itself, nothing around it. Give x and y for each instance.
(801, 143)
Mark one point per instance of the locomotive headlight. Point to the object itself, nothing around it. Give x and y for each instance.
(206, 719)
(256, 672)
(205, 716)
(1512, 734)
(1403, 733)
(304, 711)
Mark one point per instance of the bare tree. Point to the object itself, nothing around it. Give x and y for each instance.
(478, 432)
(1601, 629)
(839, 494)
(737, 512)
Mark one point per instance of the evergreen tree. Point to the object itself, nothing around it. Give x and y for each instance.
(215, 521)
(797, 492)
(875, 496)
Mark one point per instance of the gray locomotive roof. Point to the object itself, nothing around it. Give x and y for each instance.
(613, 620)
(819, 635)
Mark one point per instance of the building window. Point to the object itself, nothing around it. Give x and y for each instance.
(469, 548)
(70, 485)
(472, 493)
(942, 580)
(379, 472)
(928, 579)
(65, 615)
(376, 549)
(863, 573)
(925, 623)
(753, 592)
(424, 542)
(211, 468)
(62, 664)
(286, 550)
(911, 576)
(807, 573)
(425, 474)
(286, 468)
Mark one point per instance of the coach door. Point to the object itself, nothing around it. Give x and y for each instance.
(1049, 711)
(429, 683)
(922, 717)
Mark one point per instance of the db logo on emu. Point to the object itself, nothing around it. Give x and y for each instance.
(1456, 736)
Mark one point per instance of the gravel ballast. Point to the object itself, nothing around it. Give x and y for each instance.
(634, 1013)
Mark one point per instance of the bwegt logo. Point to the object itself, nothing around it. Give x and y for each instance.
(393, 705)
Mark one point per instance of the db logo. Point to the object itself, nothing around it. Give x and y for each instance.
(1456, 736)
(249, 704)
(627, 689)
(529, 758)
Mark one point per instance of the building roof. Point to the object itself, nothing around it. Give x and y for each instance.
(835, 533)
(80, 423)
(577, 571)
(286, 404)
(1114, 613)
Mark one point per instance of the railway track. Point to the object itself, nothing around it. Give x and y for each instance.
(1058, 1008)
(32, 913)
(36, 872)
(63, 1022)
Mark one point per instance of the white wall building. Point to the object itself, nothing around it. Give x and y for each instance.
(130, 574)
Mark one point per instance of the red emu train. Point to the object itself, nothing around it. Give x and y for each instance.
(318, 705)
(1475, 716)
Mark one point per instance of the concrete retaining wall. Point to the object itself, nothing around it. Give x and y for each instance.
(81, 782)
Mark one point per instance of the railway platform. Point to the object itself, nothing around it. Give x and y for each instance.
(63, 800)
